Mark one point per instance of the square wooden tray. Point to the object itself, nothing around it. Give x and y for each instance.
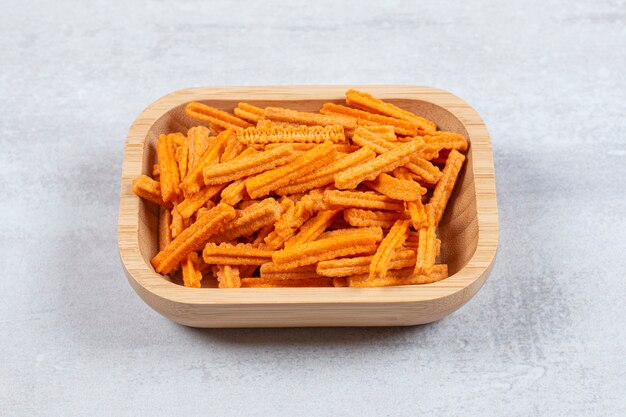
(468, 230)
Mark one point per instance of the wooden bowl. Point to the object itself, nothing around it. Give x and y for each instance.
(468, 230)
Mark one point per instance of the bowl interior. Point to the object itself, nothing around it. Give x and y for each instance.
(458, 228)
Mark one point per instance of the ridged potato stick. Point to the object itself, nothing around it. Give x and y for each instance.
(400, 127)
(292, 134)
(445, 186)
(404, 276)
(215, 116)
(394, 239)
(369, 170)
(367, 102)
(193, 238)
(262, 184)
(194, 180)
(246, 165)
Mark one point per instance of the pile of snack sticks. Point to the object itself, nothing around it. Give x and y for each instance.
(274, 197)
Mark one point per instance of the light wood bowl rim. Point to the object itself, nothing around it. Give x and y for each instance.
(142, 276)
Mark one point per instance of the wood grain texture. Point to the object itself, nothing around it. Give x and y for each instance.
(469, 228)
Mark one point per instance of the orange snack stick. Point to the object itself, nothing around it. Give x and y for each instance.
(398, 189)
(232, 149)
(369, 137)
(339, 147)
(194, 181)
(262, 184)
(198, 142)
(182, 158)
(369, 170)
(156, 171)
(400, 127)
(424, 169)
(248, 112)
(228, 276)
(305, 118)
(445, 140)
(367, 102)
(277, 283)
(302, 210)
(326, 175)
(249, 220)
(274, 240)
(246, 165)
(169, 177)
(234, 192)
(165, 233)
(240, 254)
(291, 134)
(419, 218)
(444, 187)
(415, 207)
(313, 227)
(347, 230)
(362, 199)
(357, 242)
(149, 189)
(271, 270)
(395, 238)
(191, 204)
(366, 137)
(343, 267)
(214, 116)
(370, 218)
(192, 277)
(193, 238)
(177, 225)
(383, 132)
(404, 276)
(426, 249)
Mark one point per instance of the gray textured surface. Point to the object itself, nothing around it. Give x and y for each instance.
(545, 336)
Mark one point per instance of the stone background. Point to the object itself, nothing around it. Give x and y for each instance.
(545, 336)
